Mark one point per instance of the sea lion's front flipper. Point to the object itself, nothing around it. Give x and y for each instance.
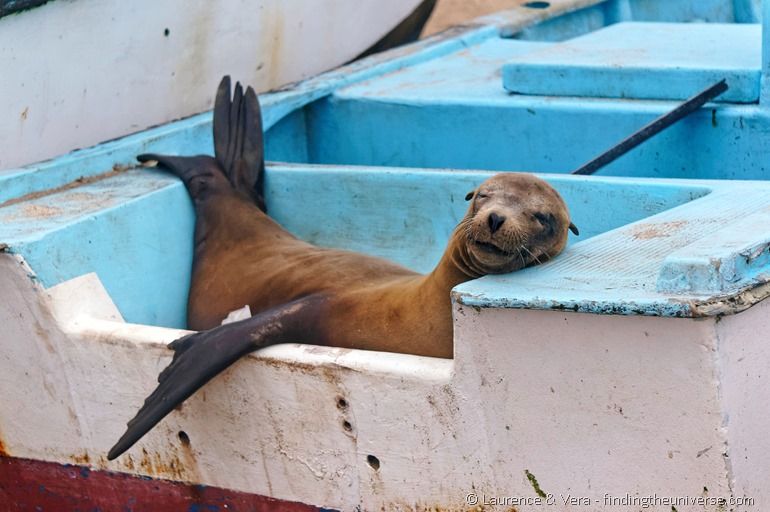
(202, 175)
(200, 356)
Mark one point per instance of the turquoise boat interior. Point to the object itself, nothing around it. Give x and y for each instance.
(385, 149)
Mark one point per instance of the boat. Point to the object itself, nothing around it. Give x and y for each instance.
(629, 372)
(79, 73)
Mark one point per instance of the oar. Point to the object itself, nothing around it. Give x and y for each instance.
(652, 129)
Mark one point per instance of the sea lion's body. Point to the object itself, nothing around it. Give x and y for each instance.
(367, 302)
(306, 294)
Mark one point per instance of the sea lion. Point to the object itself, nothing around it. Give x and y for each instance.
(306, 294)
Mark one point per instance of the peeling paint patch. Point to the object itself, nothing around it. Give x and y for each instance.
(657, 230)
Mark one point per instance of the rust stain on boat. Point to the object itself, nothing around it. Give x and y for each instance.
(42, 335)
(329, 372)
(3, 447)
(274, 45)
(162, 465)
(177, 462)
(129, 462)
(188, 458)
(82, 458)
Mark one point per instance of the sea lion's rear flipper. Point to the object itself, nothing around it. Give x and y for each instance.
(238, 139)
(238, 146)
(201, 356)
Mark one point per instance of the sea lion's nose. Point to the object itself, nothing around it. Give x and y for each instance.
(495, 221)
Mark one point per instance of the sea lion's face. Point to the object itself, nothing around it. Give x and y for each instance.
(514, 221)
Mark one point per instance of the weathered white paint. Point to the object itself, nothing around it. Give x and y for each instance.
(744, 386)
(589, 404)
(78, 73)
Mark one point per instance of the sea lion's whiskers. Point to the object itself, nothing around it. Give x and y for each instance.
(466, 225)
(521, 257)
(512, 238)
(533, 256)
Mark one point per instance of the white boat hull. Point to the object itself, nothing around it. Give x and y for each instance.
(79, 73)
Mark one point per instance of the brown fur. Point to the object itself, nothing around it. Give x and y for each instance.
(369, 303)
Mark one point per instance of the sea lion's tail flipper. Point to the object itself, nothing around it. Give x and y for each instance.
(238, 146)
(201, 356)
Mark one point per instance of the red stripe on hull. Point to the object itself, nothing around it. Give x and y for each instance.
(32, 485)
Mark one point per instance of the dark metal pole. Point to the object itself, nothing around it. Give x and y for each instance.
(653, 128)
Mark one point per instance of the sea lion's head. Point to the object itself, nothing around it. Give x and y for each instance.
(514, 220)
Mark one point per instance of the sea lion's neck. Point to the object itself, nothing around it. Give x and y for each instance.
(456, 265)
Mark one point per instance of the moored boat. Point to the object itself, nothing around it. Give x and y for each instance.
(636, 347)
(79, 73)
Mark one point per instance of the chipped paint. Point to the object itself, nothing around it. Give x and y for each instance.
(651, 230)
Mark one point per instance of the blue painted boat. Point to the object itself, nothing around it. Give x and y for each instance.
(641, 342)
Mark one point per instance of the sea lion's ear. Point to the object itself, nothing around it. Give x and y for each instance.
(574, 229)
(469, 195)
